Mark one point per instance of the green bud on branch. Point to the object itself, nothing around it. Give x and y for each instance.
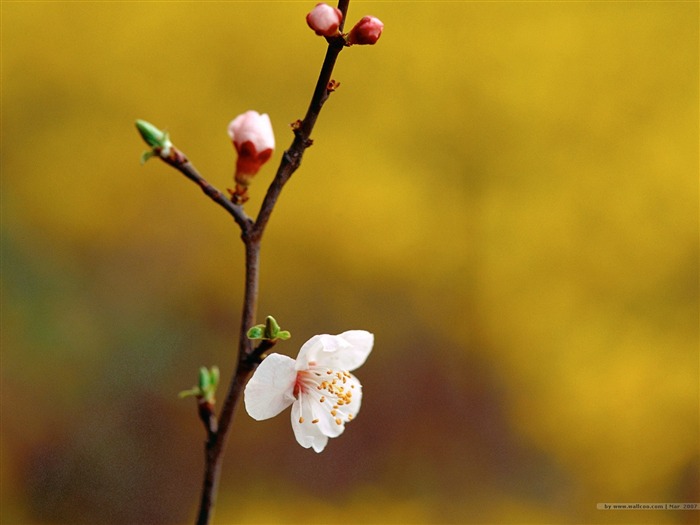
(270, 331)
(206, 390)
(158, 140)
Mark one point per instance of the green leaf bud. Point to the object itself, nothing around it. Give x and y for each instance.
(272, 328)
(270, 331)
(158, 140)
(151, 134)
(208, 381)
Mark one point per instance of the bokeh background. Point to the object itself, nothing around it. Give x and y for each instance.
(505, 193)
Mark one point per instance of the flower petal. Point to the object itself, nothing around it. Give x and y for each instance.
(324, 19)
(362, 342)
(271, 389)
(346, 351)
(307, 434)
(347, 411)
(327, 400)
(254, 128)
(344, 409)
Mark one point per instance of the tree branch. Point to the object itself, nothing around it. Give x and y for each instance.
(179, 161)
(252, 235)
(291, 159)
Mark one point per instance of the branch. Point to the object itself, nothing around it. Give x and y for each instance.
(179, 161)
(214, 447)
(291, 159)
(247, 357)
(302, 134)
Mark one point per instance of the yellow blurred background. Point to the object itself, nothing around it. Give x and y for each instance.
(505, 193)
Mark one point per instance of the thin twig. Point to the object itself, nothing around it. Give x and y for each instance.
(179, 161)
(302, 136)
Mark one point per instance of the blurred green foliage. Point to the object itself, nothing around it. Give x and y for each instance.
(505, 193)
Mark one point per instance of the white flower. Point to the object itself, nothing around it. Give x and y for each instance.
(323, 393)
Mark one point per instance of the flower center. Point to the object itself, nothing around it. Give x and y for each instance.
(332, 389)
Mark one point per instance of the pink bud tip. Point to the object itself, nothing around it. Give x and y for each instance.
(324, 20)
(366, 32)
(254, 141)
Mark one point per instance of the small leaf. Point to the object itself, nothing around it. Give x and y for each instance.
(256, 332)
(146, 155)
(187, 393)
(214, 376)
(204, 380)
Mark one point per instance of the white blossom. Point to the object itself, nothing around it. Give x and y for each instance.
(324, 395)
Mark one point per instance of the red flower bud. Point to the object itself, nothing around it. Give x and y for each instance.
(366, 32)
(324, 20)
(254, 141)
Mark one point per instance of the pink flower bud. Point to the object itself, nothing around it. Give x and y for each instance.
(324, 20)
(254, 141)
(366, 32)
